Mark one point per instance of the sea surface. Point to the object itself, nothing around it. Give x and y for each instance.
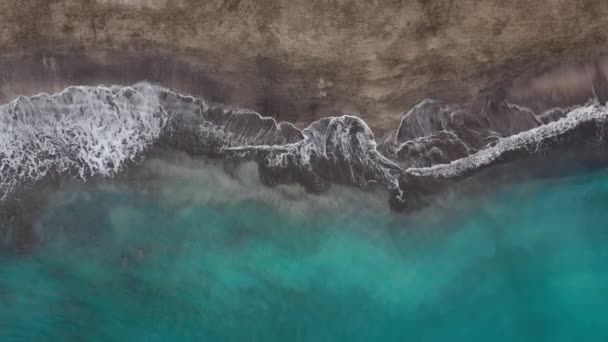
(190, 253)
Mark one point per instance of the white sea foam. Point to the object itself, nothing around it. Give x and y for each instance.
(86, 131)
(532, 139)
(332, 138)
(82, 131)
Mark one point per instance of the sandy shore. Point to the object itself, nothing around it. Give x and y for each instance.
(302, 60)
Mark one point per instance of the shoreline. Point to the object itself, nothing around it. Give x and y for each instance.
(414, 163)
(432, 140)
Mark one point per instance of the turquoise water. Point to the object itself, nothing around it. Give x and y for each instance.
(200, 256)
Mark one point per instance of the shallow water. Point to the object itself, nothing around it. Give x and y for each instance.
(202, 256)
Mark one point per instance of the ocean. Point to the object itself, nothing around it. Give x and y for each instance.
(185, 251)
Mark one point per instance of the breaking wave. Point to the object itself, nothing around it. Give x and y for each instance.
(100, 131)
(82, 131)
